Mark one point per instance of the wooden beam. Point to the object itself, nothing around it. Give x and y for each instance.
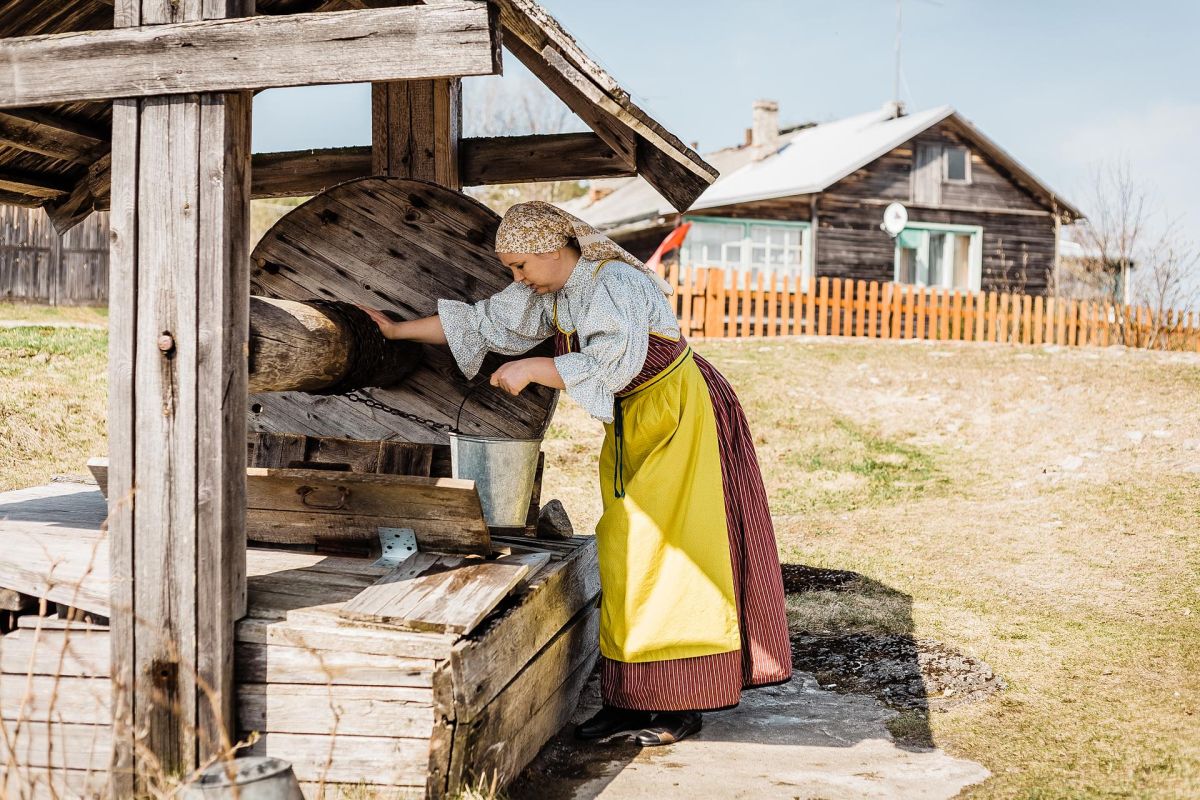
(34, 136)
(677, 172)
(36, 184)
(179, 290)
(416, 127)
(446, 39)
(306, 172)
(22, 200)
(90, 193)
(552, 157)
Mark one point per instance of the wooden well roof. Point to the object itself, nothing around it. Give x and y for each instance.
(56, 156)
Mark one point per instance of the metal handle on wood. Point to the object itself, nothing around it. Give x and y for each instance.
(306, 491)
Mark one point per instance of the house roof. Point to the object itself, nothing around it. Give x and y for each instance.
(808, 159)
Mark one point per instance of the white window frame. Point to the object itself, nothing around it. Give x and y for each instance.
(974, 254)
(966, 179)
(740, 265)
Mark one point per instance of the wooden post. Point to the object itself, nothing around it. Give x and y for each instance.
(179, 291)
(714, 303)
(416, 130)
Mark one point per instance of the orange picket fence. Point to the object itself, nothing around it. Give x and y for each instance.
(709, 305)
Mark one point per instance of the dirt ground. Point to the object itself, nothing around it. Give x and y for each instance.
(1011, 532)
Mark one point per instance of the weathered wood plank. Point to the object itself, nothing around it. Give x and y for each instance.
(79, 650)
(447, 39)
(546, 157)
(445, 513)
(416, 129)
(37, 698)
(40, 783)
(34, 136)
(510, 731)
(485, 664)
(439, 593)
(323, 631)
(274, 664)
(58, 744)
(335, 710)
(373, 760)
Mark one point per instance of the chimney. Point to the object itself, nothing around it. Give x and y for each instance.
(764, 135)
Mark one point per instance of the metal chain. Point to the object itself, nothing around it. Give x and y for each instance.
(371, 402)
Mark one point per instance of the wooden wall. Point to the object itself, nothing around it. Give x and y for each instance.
(39, 266)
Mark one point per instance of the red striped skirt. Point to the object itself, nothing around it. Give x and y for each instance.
(715, 681)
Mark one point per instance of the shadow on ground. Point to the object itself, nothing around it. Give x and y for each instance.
(853, 721)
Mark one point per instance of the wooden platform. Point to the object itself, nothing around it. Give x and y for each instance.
(345, 700)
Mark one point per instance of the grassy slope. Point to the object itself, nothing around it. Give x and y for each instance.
(942, 474)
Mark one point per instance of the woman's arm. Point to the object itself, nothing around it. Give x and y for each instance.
(514, 376)
(426, 330)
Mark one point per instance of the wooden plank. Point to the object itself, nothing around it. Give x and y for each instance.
(299, 506)
(57, 744)
(439, 593)
(1026, 319)
(747, 318)
(486, 663)
(416, 127)
(714, 303)
(544, 157)
(786, 309)
(323, 630)
(922, 303)
(372, 760)
(40, 783)
(860, 307)
(79, 651)
(446, 39)
(256, 663)
(835, 307)
(822, 304)
(810, 306)
(512, 729)
(772, 299)
(910, 317)
(301, 173)
(944, 313)
(877, 325)
(33, 699)
(35, 135)
(398, 712)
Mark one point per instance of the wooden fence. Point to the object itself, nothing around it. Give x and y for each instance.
(39, 266)
(709, 304)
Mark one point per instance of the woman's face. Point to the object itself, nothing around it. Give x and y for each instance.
(542, 272)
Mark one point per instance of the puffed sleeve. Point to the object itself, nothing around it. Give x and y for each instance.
(614, 337)
(510, 322)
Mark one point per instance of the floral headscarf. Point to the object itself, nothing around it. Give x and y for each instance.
(539, 227)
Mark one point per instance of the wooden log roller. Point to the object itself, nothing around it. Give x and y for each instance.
(322, 347)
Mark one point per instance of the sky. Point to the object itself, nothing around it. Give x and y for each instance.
(1062, 85)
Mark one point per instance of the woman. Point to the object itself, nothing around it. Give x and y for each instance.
(692, 604)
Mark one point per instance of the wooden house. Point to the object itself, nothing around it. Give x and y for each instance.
(808, 201)
(200, 602)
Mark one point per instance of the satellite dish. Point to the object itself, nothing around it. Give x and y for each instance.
(895, 217)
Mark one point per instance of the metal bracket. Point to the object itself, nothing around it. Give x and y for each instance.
(396, 544)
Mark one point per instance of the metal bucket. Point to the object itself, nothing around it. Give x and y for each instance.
(253, 778)
(503, 470)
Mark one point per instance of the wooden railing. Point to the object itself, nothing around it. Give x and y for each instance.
(776, 306)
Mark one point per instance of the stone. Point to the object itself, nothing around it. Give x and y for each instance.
(553, 522)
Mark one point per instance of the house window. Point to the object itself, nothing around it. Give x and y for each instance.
(753, 246)
(943, 256)
(957, 164)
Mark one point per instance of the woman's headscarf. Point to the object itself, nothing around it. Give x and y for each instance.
(539, 227)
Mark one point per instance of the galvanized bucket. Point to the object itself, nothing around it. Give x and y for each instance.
(253, 778)
(503, 470)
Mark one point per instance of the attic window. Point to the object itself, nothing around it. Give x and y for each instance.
(957, 162)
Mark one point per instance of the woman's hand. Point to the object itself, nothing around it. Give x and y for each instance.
(514, 376)
(386, 326)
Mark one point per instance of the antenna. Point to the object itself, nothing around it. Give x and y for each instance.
(896, 81)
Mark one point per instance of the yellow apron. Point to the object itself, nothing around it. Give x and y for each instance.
(665, 572)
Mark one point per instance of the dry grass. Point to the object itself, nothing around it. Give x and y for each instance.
(75, 315)
(1037, 509)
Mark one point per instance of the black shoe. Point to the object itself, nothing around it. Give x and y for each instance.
(609, 720)
(669, 727)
